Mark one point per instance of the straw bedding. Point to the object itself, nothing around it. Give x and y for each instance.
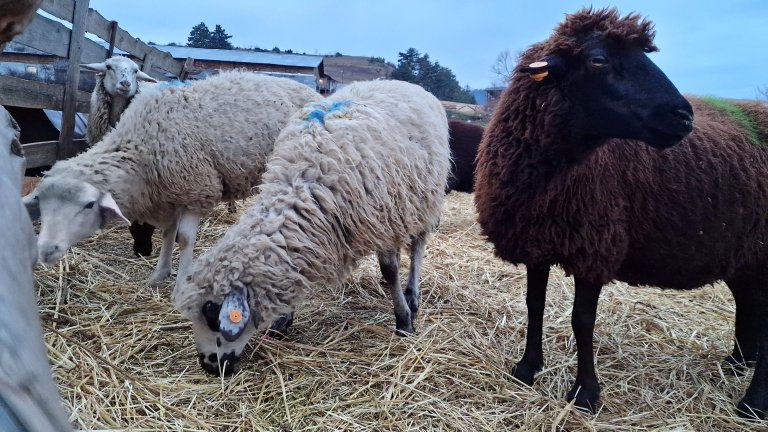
(125, 360)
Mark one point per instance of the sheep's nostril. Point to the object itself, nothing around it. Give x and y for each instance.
(683, 114)
(125, 83)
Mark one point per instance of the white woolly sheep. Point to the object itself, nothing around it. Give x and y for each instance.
(174, 155)
(117, 82)
(29, 395)
(363, 171)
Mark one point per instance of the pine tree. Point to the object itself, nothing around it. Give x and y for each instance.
(219, 38)
(435, 78)
(199, 37)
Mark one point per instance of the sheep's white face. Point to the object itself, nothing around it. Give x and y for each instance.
(69, 210)
(121, 76)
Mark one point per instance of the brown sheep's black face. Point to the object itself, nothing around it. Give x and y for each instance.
(621, 93)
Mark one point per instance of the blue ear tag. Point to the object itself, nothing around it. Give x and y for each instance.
(234, 314)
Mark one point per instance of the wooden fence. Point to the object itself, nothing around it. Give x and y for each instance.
(58, 40)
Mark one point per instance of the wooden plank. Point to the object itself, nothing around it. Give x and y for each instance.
(112, 36)
(189, 63)
(66, 150)
(37, 94)
(61, 9)
(102, 28)
(53, 37)
(41, 154)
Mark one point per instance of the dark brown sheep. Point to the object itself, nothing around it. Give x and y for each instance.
(464, 138)
(564, 179)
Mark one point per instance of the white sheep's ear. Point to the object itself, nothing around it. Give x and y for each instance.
(110, 210)
(141, 76)
(234, 314)
(95, 67)
(33, 206)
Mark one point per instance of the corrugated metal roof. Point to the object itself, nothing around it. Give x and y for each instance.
(242, 56)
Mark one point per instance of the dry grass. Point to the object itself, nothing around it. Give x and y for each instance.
(124, 359)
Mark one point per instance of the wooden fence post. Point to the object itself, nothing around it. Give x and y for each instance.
(112, 35)
(69, 108)
(188, 64)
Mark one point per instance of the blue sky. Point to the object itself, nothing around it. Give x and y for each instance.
(707, 47)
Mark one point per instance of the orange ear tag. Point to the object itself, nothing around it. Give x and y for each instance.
(235, 316)
(539, 71)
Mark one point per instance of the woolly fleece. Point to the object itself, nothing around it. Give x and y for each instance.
(361, 172)
(189, 147)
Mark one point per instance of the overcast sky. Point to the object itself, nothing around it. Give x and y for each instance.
(707, 47)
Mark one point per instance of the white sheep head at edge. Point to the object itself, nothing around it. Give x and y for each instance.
(121, 75)
(69, 211)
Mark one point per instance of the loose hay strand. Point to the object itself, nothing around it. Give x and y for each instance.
(125, 360)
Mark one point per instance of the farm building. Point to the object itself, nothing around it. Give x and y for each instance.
(303, 68)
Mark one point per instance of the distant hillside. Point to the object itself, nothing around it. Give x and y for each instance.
(356, 68)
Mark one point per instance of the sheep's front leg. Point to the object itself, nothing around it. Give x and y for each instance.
(754, 404)
(535, 297)
(187, 235)
(586, 389)
(412, 293)
(163, 268)
(389, 263)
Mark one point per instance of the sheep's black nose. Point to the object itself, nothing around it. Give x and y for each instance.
(125, 83)
(227, 364)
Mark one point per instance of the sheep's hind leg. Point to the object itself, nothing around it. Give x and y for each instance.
(163, 268)
(389, 263)
(748, 322)
(535, 297)
(586, 389)
(142, 238)
(187, 235)
(412, 293)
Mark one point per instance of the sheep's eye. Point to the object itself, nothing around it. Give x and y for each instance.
(598, 61)
(90, 204)
(109, 67)
(211, 314)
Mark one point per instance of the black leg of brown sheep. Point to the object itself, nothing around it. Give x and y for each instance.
(748, 319)
(412, 293)
(389, 263)
(279, 328)
(535, 297)
(142, 238)
(586, 389)
(755, 401)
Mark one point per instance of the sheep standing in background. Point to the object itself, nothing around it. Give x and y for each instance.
(117, 82)
(363, 171)
(28, 396)
(561, 181)
(173, 156)
(464, 140)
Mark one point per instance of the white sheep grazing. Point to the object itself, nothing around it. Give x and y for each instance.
(117, 82)
(174, 155)
(28, 395)
(363, 171)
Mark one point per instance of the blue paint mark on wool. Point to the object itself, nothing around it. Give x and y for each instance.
(174, 83)
(324, 108)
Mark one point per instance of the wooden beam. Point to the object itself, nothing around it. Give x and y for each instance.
(42, 154)
(37, 94)
(53, 37)
(101, 27)
(189, 63)
(61, 9)
(66, 149)
(112, 36)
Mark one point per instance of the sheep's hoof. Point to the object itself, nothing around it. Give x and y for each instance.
(586, 397)
(750, 412)
(524, 373)
(158, 276)
(404, 325)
